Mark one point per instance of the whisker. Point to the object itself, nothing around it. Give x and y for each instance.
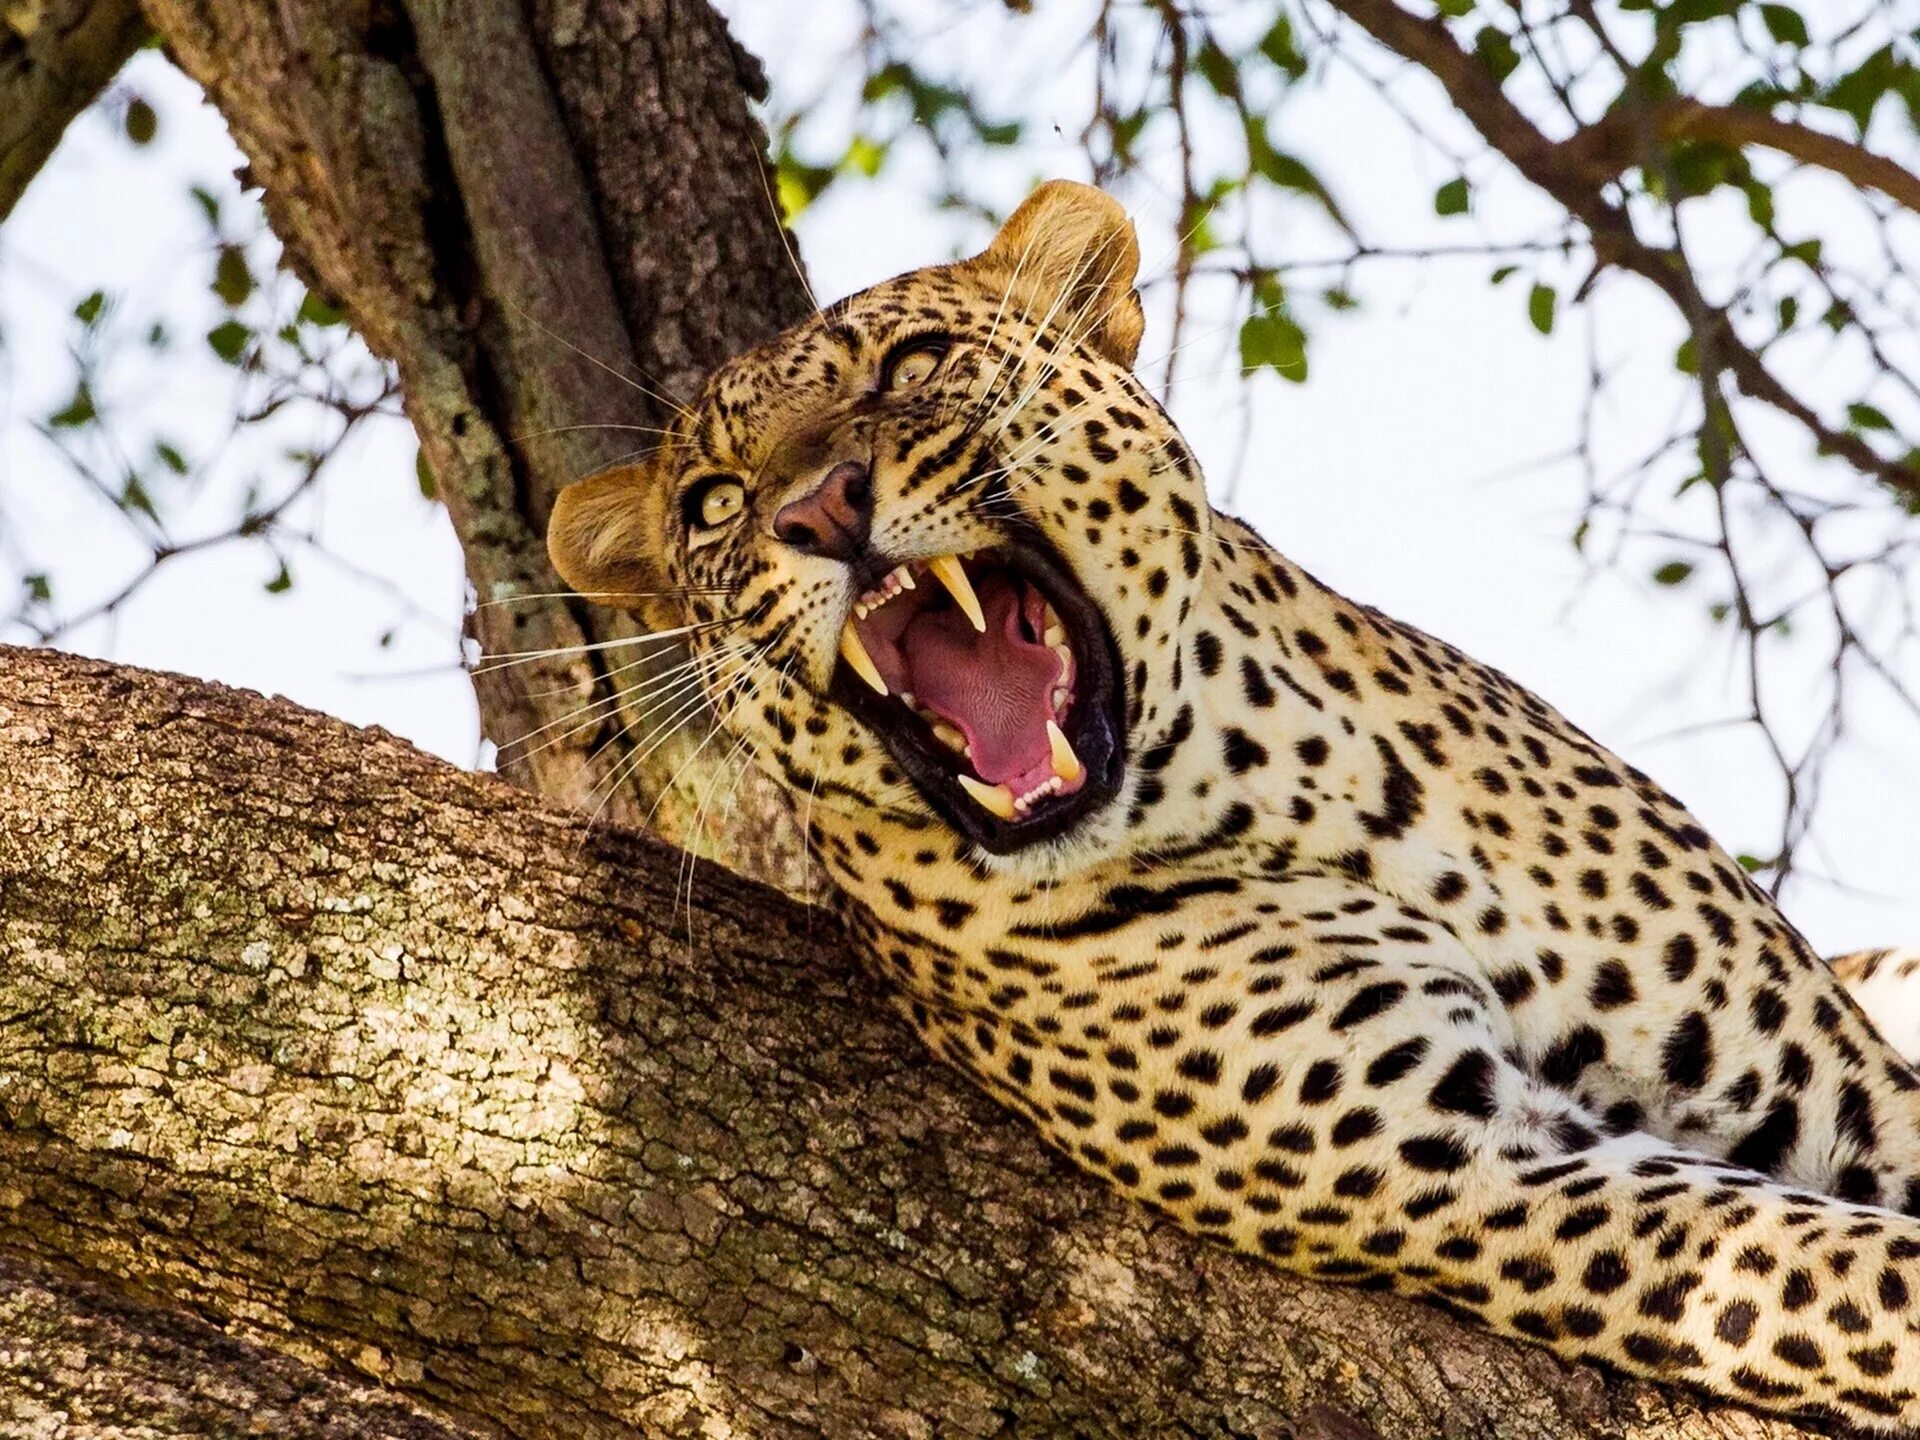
(668, 400)
(508, 659)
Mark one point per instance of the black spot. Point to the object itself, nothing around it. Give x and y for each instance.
(1612, 986)
(1441, 1154)
(1467, 1087)
(1241, 751)
(1573, 1053)
(1687, 1055)
(1321, 1083)
(1369, 1002)
(1390, 1065)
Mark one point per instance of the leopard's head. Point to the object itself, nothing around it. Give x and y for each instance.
(936, 544)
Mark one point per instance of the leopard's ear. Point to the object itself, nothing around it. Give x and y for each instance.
(1071, 253)
(606, 537)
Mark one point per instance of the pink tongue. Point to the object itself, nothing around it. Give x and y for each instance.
(995, 687)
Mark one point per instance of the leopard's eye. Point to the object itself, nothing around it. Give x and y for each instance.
(709, 503)
(914, 365)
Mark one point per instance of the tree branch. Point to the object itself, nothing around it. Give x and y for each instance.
(1566, 171)
(414, 1078)
(55, 56)
(1613, 144)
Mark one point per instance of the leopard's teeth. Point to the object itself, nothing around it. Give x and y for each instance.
(948, 570)
(904, 576)
(994, 799)
(1055, 635)
(854, 652)
(950, 737)
(1066, 765)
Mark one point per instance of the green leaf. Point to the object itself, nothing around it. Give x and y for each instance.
(1686, 359)
(1455, 9)
(170, 456)
(38, 587)
(282, 582)
(1749, 863)
(1502, 273)
(1674, 572)
(1784, 24)
(1541, 302)
(1279, 46)
(1857, 92)
(78, 411)
(1862, 416)
(232, 280)
(1216, 67)
(141, 122)
(423, 475)
(1336, 298)
(209, 204)
(88, 311)
(1290, 172)
(229, 340)
(864, 156)
(1496, 52)
(134, 496)
(1452, 198)
(1271, 338)
(315, 311)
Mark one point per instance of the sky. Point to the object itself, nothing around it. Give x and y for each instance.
(1411, 471)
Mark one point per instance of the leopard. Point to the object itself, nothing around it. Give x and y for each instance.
(1276, 914)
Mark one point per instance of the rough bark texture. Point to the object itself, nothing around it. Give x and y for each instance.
(553, 219)
(400, 1073)
(55, 56)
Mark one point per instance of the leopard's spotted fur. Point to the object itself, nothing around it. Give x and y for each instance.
(1375, 965)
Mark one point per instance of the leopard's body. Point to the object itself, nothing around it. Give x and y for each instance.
(1375, 965)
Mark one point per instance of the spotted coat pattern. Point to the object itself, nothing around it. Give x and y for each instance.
(1376, 966)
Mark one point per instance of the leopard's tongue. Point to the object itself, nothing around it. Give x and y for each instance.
(995, 688)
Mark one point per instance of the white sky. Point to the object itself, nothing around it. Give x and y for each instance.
(1404, 473)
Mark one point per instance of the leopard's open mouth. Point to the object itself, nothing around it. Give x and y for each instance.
(992, 679)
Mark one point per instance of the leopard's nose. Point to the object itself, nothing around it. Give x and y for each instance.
(834, 518)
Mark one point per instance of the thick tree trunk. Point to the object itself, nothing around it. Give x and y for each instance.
(554, 218)
(55, 56)
(458, 1114)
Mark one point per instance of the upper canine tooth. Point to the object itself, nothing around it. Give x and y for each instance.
(1066, 764)
(994, 799)
(904, 576)
(854, 652)
(951, 573)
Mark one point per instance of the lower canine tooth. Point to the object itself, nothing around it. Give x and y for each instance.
(994, 799)
(951, 573)
(904, 576)
(854, 652)
(1066, 764)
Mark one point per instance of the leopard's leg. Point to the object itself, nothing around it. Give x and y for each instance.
(1336, 1092)
(1752, 1055)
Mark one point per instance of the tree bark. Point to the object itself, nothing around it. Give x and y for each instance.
(55, 56)
(458, 1114)
(555, 220)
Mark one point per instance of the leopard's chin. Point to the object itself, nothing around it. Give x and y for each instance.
(994, 682)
